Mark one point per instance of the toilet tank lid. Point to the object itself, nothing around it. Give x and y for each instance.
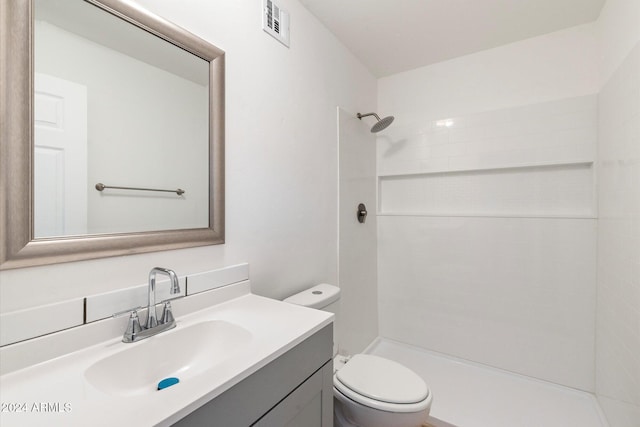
(317, 297)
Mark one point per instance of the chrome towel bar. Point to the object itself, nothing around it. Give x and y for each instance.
(100, 186)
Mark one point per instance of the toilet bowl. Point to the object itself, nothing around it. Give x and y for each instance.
(370, 391)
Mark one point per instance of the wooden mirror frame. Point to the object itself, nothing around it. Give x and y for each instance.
(18, 247)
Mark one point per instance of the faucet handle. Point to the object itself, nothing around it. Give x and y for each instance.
(167, 315)
(133, 326)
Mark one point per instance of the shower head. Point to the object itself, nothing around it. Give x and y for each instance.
(380, 124)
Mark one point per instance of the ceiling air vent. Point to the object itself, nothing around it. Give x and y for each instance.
(275, 22)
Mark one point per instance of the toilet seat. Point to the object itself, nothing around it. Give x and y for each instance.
(382, 384)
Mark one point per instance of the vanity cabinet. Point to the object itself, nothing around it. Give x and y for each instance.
(294, 390)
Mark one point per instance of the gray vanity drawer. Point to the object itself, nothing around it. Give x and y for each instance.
(309, 405)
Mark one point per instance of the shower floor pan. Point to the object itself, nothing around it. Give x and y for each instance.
(466, 394)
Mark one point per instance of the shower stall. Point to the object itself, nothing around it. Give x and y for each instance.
(507, 204)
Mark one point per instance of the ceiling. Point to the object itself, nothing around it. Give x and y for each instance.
(391, 36)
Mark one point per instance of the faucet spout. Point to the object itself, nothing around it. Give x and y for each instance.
(152, 320)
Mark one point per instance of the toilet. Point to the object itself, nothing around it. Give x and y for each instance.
(369, 391)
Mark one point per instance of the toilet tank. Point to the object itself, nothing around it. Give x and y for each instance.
(323, 297)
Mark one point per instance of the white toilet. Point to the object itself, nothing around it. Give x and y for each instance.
(369, 391)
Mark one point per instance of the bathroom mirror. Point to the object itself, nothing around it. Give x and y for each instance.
(112, 136)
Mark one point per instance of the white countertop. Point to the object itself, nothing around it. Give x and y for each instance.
(56, 392)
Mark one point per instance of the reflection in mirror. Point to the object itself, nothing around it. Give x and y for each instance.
(117, 105)
(103, 92)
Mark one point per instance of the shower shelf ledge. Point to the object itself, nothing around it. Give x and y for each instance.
(487, 215)
(584, 163)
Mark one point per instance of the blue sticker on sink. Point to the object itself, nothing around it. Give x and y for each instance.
(167, 382)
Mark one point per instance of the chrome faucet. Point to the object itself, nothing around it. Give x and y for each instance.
(152, 321)
(135, 332)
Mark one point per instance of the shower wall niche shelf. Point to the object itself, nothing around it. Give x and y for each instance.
(549, 190)
(489, 168)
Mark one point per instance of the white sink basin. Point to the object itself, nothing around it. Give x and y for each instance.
(182, 353)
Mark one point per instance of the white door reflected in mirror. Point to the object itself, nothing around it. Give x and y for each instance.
(60, 157)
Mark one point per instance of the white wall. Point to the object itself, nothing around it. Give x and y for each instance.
(468, 264)
(281, 160)
(358, 322)
(618, 312)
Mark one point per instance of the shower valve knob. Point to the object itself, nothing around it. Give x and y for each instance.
(362, 213)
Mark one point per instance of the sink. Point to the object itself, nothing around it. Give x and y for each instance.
(221, 339)
(182, 352)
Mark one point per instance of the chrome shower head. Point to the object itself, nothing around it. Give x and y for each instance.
(381, 124)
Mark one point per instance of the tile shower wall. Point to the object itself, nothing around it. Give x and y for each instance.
(487, 207)
(618, 313)
(358, 319)
(522, 161)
